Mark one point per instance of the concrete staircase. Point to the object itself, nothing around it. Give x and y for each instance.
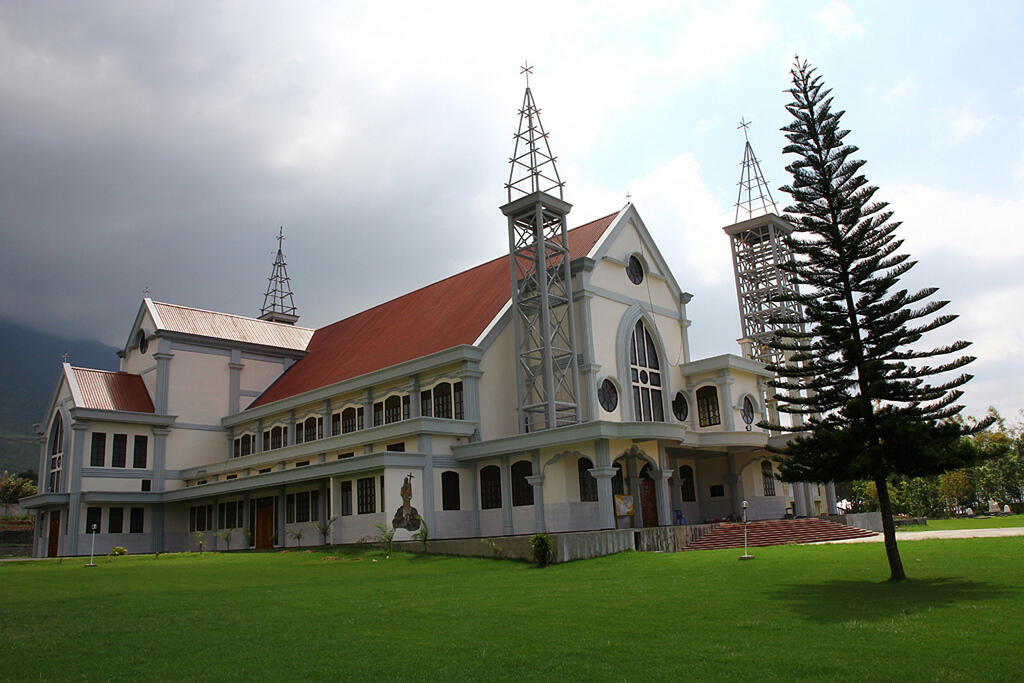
(777, 532)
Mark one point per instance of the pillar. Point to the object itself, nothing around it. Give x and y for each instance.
(282, 501)
(830, 498)
(604, 473)
(733, 479)
(664, 497)
(235, 366)
(474, 495)
(506, 497)
(799, 500)
(536, 480)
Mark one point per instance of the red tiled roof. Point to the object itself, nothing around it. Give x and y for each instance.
(448, 313)
(103, 390)
(232, 327)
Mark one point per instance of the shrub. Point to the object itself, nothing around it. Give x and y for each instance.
(543, 549)
(118, 550)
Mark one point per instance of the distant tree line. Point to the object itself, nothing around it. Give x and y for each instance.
(998, 477)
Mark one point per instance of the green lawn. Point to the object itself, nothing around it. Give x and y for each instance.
(967, 523)
(795, 612)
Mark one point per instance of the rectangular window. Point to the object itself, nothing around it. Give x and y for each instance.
(137, 521)
(115, 521)
(302, 507)
(139, 456)
(396, 447)
(335, 424)
(222, 515)
(314, 506)
(265, 470)
(92, 519)
(359, 418)
(266, 440)
(717, 490)
(342, 456)
(405, 407)
(378, 413)
(426, 403)
(366, 495)
(231, 516)
(348, 420)
(460, 412)
(230, 477)
(98, 458)
(289, 509)
(119, 455)
(346, 498)
(302, 463)
(147, 484)
(382, 493)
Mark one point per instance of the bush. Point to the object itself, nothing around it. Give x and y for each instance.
(543, 549)
(118, 550)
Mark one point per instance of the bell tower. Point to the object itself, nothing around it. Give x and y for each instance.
(278, 302)
(547, 377)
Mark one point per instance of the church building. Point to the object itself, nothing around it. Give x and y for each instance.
(549, 389)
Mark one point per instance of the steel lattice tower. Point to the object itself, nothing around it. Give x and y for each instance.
(758, 249)
(278, 302)
(547, 378)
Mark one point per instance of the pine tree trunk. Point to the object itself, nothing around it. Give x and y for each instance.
(889, 531)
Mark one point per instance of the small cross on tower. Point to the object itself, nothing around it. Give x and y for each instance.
(744, 124)
(526, 70)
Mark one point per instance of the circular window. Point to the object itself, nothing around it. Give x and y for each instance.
(748, 410)
(143, 341)
(608, 396)
(680, 408)
(635, 270)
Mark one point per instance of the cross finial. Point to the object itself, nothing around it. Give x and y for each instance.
(145, 293)
(629, 196)
(527, 70)
(280, 236)
(744, 124)
(65, 357)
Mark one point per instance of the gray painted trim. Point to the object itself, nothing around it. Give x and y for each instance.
(621, 221)
(630, 301)
(497, 328)
(725, 361)
(93, 414)
(196, 427)
(374, 461)
(453, 355)
(249, 393)
(623, 337)
(203, 344)
(195, 348)
(449, 463)
(342, 442)
(41, 500)
(117, 473)
(148, 497)
(151, 368)
(586, 431)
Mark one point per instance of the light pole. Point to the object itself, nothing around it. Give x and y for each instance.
(92, 549)
(745, 555)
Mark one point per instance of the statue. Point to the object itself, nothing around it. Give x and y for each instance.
(406, 517)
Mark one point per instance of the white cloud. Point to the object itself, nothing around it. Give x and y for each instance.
(982, 229)
(907, 86)
(966, 123)
(837, 19)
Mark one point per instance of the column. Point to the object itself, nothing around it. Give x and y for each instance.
(603, 473)
(216, 524)
(291, 428)
(74, 479)
(830, 498)
(589, 369)
(725, 382)
(633, 486)
(325, 415)
(536, 480)
(474, 494)
(506, 497)
(247, 529)
(235, 366)
(663, 497)
(799, 500)
(428, 484)
(413, 387)
(322, 510)
(163, 358)
(733, 479)
(281, 503)
(258, 446)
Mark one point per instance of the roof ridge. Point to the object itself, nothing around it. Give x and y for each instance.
(233, 315)
(108, 372)
(453, 275)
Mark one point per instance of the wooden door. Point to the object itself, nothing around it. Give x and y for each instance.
(648, 502)
(51, 550)
(264, 526)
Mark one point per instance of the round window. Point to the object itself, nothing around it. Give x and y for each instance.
(143, 341)
(748, 410)
(608, 396)
(680, 408)
(635, 270)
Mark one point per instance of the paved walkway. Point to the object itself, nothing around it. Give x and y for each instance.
(947, 533)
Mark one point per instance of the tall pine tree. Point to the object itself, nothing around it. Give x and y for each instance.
(856, 371)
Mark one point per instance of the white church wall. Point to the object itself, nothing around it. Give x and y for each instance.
(194, 447)
(498, 387)
(256, 376)
(611, 274)
(198, 402)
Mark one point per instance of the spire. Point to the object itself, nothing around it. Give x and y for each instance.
(547, 375)
(533, 165)
(278, 303)
(754, 198)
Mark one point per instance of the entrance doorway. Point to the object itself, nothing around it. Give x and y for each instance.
(54, 539)
(648, 498)
(264, 523)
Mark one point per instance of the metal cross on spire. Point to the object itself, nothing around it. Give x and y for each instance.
(526, 70)
(533, 164)
(278, 302)
(754, 198)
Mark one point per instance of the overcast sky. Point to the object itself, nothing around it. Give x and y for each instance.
(160, 145)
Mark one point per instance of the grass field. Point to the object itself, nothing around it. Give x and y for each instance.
(795, 612)
(967, 523)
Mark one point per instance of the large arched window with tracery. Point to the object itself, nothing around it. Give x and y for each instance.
(645, 374)
(56, 451)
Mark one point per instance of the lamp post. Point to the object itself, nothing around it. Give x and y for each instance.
(745, 555)
(92, 549)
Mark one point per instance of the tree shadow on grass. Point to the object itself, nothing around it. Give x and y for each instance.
(843, 601)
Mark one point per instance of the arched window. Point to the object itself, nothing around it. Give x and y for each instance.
(56, 454)
(588, 485)
(645, 371)
(246, 445)
(687, 490)
(769, 478)
(277, 436)
(450, 491)
(392, 409)
(443, 400)
(490, 487)
(707, 406)
(522, 492)
(618, 481)
(348, 420)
